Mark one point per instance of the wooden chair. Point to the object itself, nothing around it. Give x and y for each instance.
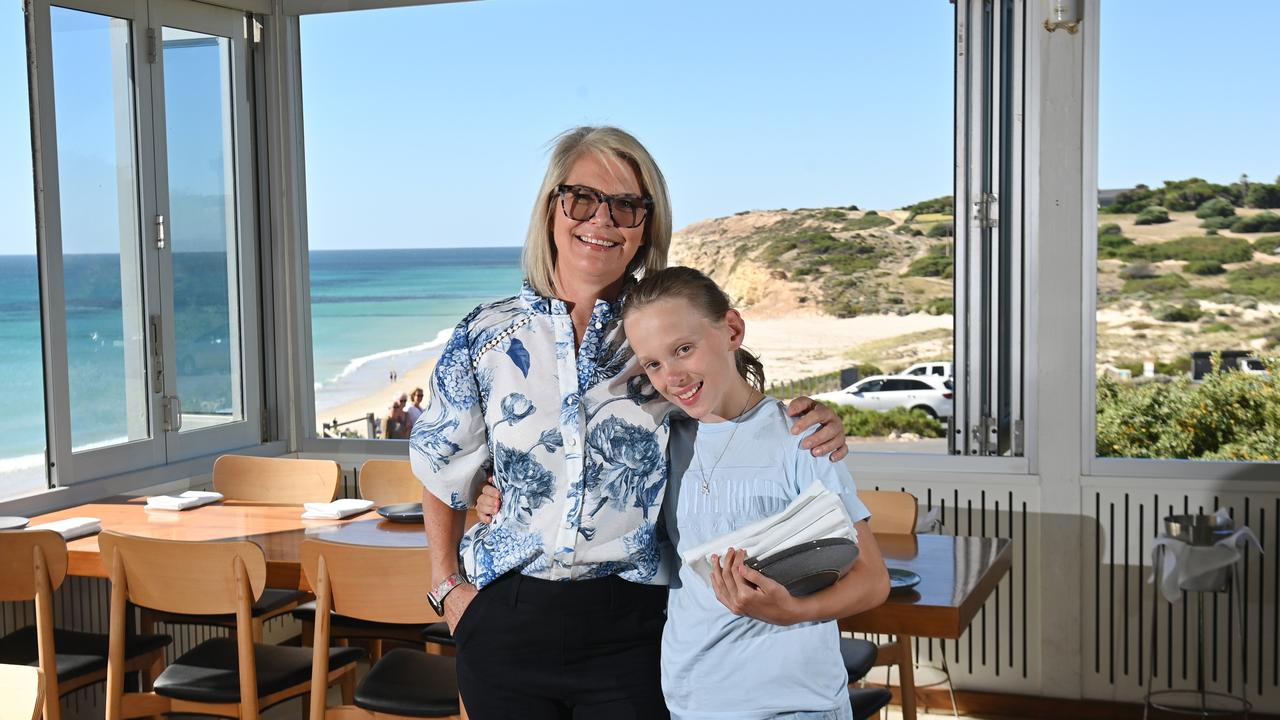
(387, 482)
(229, 677)
(287, 481)
(896, 512)
(384, 585)
(33, 563)
(22, 688)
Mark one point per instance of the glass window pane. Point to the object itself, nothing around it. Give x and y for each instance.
(808, 148)
(203, 238)
(1188, 275)
(22, 417)
(106, 358)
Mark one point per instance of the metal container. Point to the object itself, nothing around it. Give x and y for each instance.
(1198, 530)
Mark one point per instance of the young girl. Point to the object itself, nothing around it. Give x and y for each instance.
(744, 648)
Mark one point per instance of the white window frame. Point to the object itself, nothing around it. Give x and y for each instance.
(1107, 467)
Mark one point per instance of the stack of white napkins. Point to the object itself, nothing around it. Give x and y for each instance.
(817, 513)
(185, 501)
(335, 510)
(72, 528)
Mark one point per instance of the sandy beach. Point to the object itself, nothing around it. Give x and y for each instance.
(790, 347)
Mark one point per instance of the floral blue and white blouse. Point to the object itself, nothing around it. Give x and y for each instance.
(577, 443)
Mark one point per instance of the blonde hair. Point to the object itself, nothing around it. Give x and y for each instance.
(703, 295)
(539, 257)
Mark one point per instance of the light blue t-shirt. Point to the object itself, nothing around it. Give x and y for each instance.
(716, 664)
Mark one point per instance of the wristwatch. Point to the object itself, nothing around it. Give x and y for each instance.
(439, 592)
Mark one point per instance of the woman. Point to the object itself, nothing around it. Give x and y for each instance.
(541, 391)
(395, 425)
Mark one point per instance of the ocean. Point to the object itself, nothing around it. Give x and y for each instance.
(372, 311)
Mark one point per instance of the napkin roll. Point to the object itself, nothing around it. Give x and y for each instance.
(72, 528)
(185, 501)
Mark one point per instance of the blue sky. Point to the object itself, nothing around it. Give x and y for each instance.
(429, 126)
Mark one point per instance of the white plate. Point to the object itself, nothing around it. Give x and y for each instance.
(13, 522)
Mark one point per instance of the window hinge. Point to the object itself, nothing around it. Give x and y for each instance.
(1017, 438)
(159, 232)
(172, 406)
(152, 45)
(253, 30)
(157, 356)
(991, 431)
(986, 210)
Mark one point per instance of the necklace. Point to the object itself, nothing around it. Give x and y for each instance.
(706, 474)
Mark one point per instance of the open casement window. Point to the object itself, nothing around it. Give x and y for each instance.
(147, 234)
(990, 237)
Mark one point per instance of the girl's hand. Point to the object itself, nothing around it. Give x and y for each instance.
(828, 438)
(748, 593)
(489, 502)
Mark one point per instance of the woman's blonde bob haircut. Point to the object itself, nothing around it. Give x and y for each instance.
(539, 257)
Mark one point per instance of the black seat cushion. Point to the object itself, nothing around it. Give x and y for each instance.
(866, 702)
(859, 656)
(306, 612)
(77, 653)
(272, 599)
(209, 672)
(410, 682)
(438, 633)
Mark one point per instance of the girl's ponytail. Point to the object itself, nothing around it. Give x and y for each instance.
(750, 368)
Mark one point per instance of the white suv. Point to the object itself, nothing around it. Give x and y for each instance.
(943, 370)
(928, 393)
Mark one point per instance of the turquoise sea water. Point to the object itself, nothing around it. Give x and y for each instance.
(372, 311)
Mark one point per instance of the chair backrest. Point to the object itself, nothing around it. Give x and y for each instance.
(380, 584)
(291, 481)
(387, 482)
(20, 551)
(22, 688)
(185, 577)
(892, 511)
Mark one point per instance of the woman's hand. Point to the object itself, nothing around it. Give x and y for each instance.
(748, 593)
(457, 602)
(828, 438)
(488, 502)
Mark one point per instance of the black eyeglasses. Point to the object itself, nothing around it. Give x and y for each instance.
(580, 202)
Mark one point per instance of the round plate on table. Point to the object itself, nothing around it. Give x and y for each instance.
(12, 522)
(402, 512)
(902, 579)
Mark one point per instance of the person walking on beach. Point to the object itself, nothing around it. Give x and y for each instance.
(413, 410)
(561, 607)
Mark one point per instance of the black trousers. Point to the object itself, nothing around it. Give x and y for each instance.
(533, 649)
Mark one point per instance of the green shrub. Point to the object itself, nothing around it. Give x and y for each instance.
(1111, 246)
(1215, 207)
(1262, 195)
(869, 221)
(1262, 222)
(945, 205)
(871, 423)
(1109, 229)
(932, 266)
(941, 229)
(1217, 327)
(1132, 201)
(1204, 267)
(941, 306)
(1189, 311)
(1152, 216)
(1162, 285)
(1218, 223)
(1267, 244)
(1215, 249)
(905, 229)
(1228, 415)
(1259, 281)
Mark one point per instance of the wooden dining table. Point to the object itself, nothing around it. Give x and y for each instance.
(957, 573)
